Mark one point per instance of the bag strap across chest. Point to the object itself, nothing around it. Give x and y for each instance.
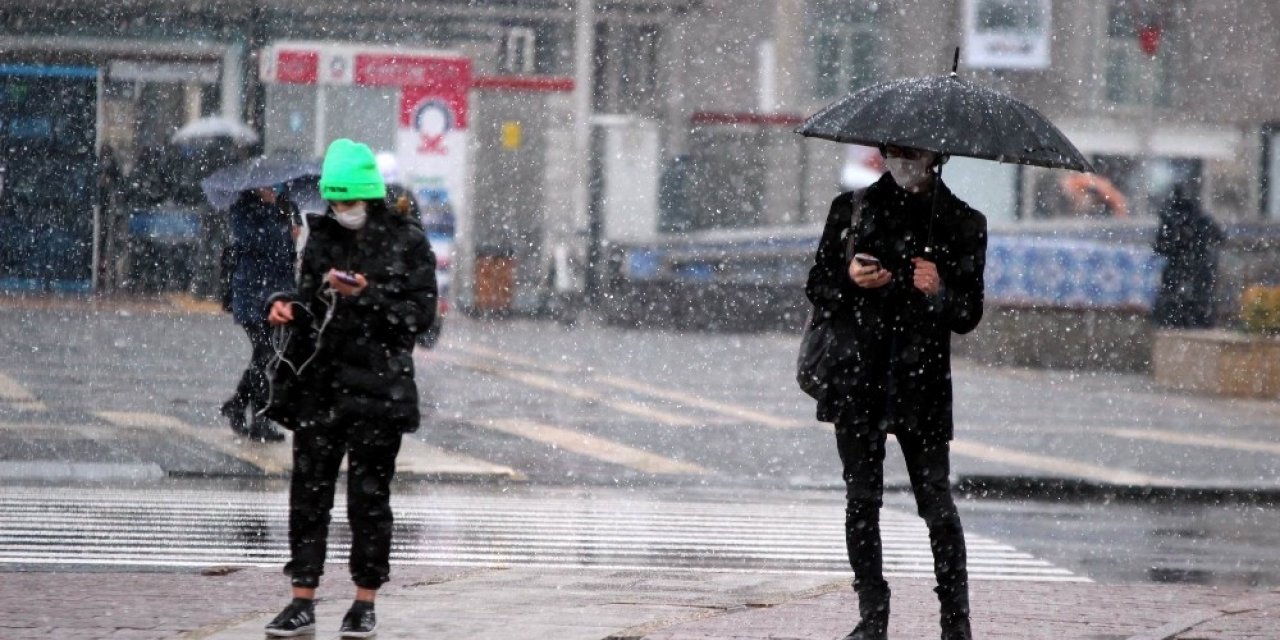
(857, 199)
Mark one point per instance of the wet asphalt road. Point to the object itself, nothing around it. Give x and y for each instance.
(727, 405)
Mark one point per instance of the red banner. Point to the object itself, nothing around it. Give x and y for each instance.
(297, 67)
(388, 69)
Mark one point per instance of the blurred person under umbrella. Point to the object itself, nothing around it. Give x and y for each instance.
(366, 289)
(224, 186)
(259, 262)
(898, 269)
(1188, 239)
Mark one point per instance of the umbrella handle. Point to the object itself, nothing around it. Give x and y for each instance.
(933, 209)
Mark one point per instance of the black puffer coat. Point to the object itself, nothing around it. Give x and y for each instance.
(364, 361)
(895, 341)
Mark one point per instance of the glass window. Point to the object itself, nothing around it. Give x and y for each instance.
(626, 78)
(1132, 77)
(844, 46)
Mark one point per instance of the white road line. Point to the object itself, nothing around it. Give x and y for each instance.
(1054, 465)
(415, 458)
(18, 397)
(577, 393)
(271, 459)
(451, 561)
(55, 544)
(592, 446)
(486, 352)
(817, 547)
(687, 399)
(690, 400)
(1193, 440)
(12, 391)
(61, 526)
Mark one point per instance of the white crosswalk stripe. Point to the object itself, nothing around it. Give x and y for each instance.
(60, 526)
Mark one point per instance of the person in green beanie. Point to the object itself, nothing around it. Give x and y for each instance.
(367, 287)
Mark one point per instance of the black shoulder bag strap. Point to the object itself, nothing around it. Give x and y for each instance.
(847, 236)
(815, 361)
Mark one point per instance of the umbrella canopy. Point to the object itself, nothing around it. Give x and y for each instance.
(222, 187)
(215, 127)
(946, 115)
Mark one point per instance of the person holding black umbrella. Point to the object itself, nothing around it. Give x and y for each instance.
(897, 302)
(899, 269)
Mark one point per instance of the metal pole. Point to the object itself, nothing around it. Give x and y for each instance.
(584, 72)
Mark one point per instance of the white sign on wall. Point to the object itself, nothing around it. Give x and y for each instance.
(1007, 34)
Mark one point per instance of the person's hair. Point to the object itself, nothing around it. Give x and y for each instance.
(379, 205)
(403, 204)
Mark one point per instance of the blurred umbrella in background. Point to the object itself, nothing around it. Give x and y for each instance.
(223, 186)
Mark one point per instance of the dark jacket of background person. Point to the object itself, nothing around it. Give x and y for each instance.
(365, 358)
(896, 340)
(1188, 239)
(263, 255)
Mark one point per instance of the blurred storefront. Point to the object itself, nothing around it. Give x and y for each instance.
(86, 124)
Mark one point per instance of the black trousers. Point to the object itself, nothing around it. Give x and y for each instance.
(371, 449)
(929, 467)
(252, 389)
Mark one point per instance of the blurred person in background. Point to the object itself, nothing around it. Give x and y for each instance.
(1188, 240)
(260, 262)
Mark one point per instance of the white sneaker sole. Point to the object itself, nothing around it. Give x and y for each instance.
(359, 634)
(309, 630)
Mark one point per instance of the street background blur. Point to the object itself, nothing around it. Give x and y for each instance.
(624, 219)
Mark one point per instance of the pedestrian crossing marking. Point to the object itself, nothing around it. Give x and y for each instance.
(1051, 464)
(270, 459)
(550, 384)
(732, 411)
(486, 352)
(1194, 440)
(416, 458)
(194, 528)
(18, 397)
(688, 399)
(592, 446)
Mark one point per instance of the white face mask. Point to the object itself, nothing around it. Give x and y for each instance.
(909, 174)
(353, 218)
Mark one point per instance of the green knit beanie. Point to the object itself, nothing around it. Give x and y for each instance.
(350, 172)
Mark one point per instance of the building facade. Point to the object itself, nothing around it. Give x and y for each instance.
(693, 102)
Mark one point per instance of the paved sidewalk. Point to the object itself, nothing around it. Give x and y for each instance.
(454, 603)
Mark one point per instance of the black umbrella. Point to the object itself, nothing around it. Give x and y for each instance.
(222, 187)
(946, 115)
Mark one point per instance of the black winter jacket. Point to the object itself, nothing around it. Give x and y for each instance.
(895, 341)
(364, 360)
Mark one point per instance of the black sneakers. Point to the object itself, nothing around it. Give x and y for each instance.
(360, 622)
(297, 619)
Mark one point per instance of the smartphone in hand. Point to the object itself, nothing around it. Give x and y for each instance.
(345, 278)
(866, 260)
